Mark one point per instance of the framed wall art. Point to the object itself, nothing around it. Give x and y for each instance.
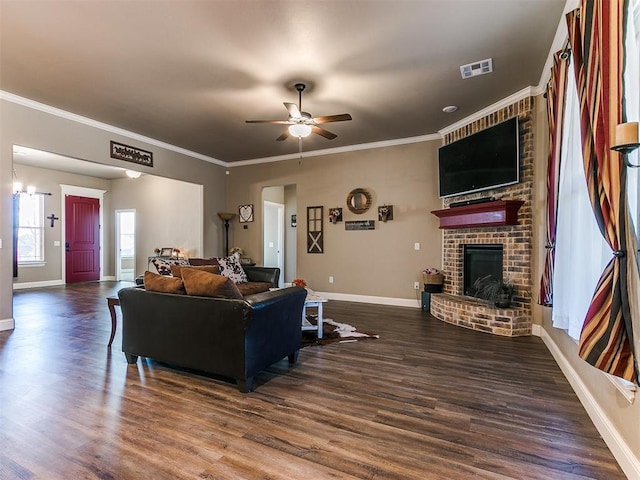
(315, 238)
(245, 213)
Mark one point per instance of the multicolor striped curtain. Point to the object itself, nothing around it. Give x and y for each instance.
(556, 94)
(595, 35)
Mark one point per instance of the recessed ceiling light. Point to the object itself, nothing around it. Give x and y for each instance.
(450, 109)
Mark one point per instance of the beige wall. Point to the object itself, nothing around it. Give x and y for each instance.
(21, 125)
(168, 214)
(623, 416)
(290, 233)
(378, 263)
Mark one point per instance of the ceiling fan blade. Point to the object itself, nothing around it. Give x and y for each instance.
(293, 109)
(276, 122)
(284, 135)
(333, 118)
(325, 133)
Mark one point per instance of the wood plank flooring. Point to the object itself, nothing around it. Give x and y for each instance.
(427, 400)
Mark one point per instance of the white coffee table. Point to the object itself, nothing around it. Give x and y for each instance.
(313, 300)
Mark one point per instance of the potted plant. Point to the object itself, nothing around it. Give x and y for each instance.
(498, 291)
(432, 278)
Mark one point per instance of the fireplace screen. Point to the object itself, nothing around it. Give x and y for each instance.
(479, 261)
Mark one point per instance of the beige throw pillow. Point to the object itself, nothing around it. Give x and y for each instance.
(154, 282)
(176, 270)
(205, 284)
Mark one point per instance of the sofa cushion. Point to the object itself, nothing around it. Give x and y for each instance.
(206, 284)
(176, 270)
(155, 282)
(163, 265)
(203, 261)
(231, 267)
(249, 288)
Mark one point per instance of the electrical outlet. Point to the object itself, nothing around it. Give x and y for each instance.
(416, 246)
(416, 285)
(331, 279)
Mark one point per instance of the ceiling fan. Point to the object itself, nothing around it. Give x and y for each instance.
(302, 124)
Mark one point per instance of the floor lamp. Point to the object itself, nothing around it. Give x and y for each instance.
(226, 217)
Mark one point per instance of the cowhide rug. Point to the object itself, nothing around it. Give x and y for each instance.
(333, 332)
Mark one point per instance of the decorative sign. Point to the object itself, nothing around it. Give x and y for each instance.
(245, 213)
(131, 154)
(360, 225)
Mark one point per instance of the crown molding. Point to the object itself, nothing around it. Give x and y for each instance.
(332, 151)
(25, 102)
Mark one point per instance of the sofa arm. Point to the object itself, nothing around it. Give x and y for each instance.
(263, 274)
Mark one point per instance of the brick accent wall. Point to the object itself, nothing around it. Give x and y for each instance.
(451, 306)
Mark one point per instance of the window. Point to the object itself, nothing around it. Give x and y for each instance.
(30, 229)
(578, 236)
(631, 78)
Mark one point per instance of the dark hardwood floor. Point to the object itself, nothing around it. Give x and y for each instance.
(425, 401)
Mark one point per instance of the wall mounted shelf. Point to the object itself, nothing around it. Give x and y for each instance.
(486, 214)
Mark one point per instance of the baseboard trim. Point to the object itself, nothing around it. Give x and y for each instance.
(628, 461)
(348, 297)
(7, 324)
(45, 283)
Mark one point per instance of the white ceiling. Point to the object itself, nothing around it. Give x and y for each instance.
(189, 73)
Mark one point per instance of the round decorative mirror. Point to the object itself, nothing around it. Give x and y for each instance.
(358, 200)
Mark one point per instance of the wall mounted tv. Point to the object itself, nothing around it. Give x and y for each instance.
(484, 160)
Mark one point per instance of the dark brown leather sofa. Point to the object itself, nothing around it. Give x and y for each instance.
(235, 338)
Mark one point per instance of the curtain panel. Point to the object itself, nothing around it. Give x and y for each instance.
(596, 36)
(556, 95)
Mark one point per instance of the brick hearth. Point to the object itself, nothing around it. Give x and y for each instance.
(451, 306)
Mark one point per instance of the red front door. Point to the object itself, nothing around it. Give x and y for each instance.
(82, 232)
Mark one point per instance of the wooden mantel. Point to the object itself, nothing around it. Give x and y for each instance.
(486, 214)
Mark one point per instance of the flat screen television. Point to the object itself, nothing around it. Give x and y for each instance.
(484, 160)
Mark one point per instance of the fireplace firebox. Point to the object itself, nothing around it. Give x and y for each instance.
(479, 261)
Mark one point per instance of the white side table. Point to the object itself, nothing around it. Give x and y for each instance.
(313, 300)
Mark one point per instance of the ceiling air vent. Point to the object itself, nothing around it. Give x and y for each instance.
(476, 68)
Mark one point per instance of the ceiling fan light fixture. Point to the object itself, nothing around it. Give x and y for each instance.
(300, 130)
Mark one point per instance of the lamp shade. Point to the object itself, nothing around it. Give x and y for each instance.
(300, 130)
(226, 216)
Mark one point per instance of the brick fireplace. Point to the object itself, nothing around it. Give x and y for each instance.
(515, 237)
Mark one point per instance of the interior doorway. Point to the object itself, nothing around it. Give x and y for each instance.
(125, 245)
(273, 236)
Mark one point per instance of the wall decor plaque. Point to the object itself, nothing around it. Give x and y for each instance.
(131, 154)
(360, 225)
(245, 213)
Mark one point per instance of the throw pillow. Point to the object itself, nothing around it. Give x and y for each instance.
(205, 284)
(155, 282)
(231, 267)
(176, 270)
(163, 266)
(203, 261)
(251, 288)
